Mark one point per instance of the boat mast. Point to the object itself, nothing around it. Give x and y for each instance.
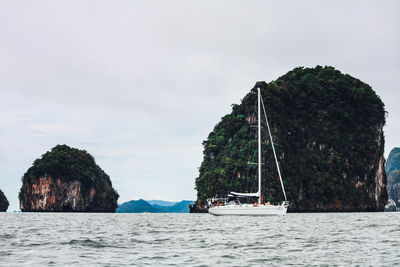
(259, 147)
(273, 149)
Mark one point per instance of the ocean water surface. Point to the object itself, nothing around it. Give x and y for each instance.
(312, 239)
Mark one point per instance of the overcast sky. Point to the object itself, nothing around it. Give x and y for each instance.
(140, 84)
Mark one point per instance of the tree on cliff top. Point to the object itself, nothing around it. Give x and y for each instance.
(328, 132)
(3, 202)
(70, 164)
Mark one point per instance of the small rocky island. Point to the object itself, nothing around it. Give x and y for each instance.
(393, 173)
(3, 202)
(67, 179)
(328, 134)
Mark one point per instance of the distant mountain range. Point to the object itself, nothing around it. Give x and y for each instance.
(154, 206)
(161, 203)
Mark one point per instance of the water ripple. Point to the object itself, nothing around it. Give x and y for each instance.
(326, 239)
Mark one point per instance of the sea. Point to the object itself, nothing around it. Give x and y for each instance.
(295, 239)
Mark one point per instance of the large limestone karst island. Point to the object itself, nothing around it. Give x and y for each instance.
(328, 134)
(3, 202)
(67, 180)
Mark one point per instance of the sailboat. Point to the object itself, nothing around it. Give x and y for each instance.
(261, 209)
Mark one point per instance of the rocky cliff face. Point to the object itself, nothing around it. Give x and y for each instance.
(48, 194)
(67, 180)
(3, 202)
(328, 134)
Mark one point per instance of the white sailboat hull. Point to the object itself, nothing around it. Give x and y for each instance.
(248, 210)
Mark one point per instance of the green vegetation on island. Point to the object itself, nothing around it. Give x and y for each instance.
(67, 179)
(3, 202)
(328, 134)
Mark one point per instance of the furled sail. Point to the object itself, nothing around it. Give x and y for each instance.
(234, 194)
